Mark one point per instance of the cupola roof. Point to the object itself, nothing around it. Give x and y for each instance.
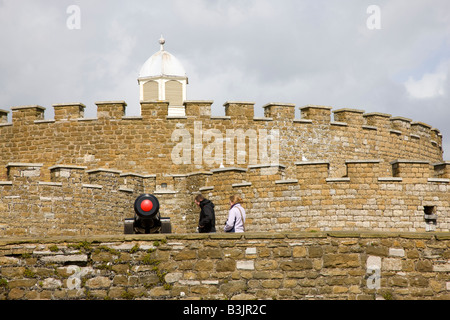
(162, 64)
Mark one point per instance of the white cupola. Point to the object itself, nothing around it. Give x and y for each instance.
(163, 78)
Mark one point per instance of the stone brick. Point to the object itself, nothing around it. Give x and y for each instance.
(424, 266)
(245, 265)
(299, 252)
(158, 292)
(233, 287)
(392, 264)
(204, 265)
(315, 252)
(295, 265)
(341, 260)
(226, 265)
(98, 282)
(186, 255)
(396, 252)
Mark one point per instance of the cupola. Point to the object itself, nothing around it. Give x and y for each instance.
(163, 78)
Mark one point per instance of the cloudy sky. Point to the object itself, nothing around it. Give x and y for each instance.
(304, 52)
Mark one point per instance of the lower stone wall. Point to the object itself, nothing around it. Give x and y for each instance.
(315, 265)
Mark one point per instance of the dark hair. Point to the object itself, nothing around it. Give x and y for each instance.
(199, 198)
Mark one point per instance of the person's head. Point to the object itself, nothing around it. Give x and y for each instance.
(235, 199)
(198, 199)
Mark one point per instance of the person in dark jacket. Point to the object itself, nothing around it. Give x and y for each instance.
(207, 221)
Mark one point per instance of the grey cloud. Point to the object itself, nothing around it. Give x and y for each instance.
(302, 52)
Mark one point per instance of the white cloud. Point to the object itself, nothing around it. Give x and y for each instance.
(221, 12)
(431, 85)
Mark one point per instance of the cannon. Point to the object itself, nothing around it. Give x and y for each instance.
(147, 219)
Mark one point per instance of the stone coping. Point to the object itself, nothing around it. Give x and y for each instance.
(110, 102)
(198, 101)
(440, 236)
(229, 169)
(20, 164)
(104, 170)
(72, 104)
(312, 106)
(27, 107)
(336, 123)
(305, 163)
(303, 121)
(410, 161)
(71, 167)
(239, 102)
(363, 161)
(377, 114)
(349, 110)
(401, 119)
(242, 184)
(279, 104)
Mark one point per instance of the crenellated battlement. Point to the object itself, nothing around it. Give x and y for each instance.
(408, 171)
(362, 199)
(243, 111)
(112, 139)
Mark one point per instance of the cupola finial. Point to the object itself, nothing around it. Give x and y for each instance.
(162, 41)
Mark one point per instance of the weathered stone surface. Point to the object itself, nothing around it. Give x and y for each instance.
(98, 282)
(73, 176)
(65, 258)
(341, 260)
(312, 268)
(295, 265)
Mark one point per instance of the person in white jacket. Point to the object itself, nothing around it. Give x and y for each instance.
(236, 216)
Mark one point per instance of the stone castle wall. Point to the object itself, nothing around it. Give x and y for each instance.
(77, 201)
(77, 176)
(333, 265)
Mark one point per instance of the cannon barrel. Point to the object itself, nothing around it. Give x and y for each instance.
(147, 219)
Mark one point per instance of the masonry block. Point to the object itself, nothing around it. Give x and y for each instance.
(133, 182)
(421, 129)
(25, 172)
(27, 113)
(259, 173)
(363, 171)
(442, 170)
(227, 176)
(149, 183)
(67, 173)
(198, 109)
(111, 109)
(69, 111)
(107, 178)
(320, 114)
(412, 171)
(154, 109)
(240, 110)
(312, 171)
(401, 124)
(279, 111)
(436, 136)
(3, 116)
(349, 116)
(377, 119)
